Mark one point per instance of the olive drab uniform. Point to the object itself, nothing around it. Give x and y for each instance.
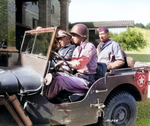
(85, 58)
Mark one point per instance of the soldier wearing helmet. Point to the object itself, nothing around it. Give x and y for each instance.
(85, 52)
(84, 60)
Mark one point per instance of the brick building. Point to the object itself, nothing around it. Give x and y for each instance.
(17, 16)
(20, 15)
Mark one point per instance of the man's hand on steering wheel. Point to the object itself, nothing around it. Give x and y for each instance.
(60, 63)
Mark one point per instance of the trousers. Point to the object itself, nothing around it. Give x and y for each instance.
(69, 83)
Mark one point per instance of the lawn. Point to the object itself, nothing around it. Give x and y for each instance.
(143, 116)
(140, 57)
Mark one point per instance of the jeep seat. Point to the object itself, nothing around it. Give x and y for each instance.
(101, 70)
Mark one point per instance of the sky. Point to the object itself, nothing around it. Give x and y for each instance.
(109, 10)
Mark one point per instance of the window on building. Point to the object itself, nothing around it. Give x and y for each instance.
(91, 35)
(34, 23)
(52, 9)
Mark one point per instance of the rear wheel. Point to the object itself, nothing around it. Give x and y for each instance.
(120, 110)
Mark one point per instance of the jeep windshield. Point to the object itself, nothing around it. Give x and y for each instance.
(36, 42)
(36, 48)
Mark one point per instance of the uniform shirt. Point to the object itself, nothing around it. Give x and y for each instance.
(67, 51)
(84, 58)
(109, 52)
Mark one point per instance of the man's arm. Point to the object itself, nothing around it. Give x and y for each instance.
(115, 65)
(119, 58)
(79, 63)
(82, 61)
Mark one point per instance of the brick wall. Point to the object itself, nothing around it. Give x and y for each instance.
(55, 18)
(47, 18)
(30, 12)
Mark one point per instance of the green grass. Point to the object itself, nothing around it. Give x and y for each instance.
(140, 57)
(143, 116)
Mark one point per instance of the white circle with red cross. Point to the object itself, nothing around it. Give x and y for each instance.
(141, 80)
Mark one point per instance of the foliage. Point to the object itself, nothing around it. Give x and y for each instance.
(131, 39)
(10, 38)
(140, 25)
(113, 35)
(146, 34)
(148, 26)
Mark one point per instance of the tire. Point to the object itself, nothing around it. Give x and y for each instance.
(120, 110)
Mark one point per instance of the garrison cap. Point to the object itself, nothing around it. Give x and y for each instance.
(103, 29)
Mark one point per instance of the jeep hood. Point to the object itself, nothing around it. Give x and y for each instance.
(19, 79)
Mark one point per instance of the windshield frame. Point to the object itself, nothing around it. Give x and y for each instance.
(37, 62)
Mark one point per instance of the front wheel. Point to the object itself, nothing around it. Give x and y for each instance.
(120, 110)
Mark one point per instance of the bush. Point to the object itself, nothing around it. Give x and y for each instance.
(129, 40)
(148, 26)
(140, 25)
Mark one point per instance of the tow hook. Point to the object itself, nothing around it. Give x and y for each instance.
(100, 107)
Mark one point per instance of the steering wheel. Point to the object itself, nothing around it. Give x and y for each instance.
(63, 60)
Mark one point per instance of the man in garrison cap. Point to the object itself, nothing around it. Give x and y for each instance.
(109, 51)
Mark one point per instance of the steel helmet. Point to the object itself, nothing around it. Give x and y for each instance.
(80, 29)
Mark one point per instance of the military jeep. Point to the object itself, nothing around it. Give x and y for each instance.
(110, 100)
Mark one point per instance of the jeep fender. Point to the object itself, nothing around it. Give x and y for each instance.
(8, 82)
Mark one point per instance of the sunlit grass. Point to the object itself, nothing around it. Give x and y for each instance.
(140, 57)
(143, 117)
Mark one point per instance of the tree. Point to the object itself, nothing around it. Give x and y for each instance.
(140, 25)
(130, 39)
(148, 26)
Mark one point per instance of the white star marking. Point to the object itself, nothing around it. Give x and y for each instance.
(141, 80)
